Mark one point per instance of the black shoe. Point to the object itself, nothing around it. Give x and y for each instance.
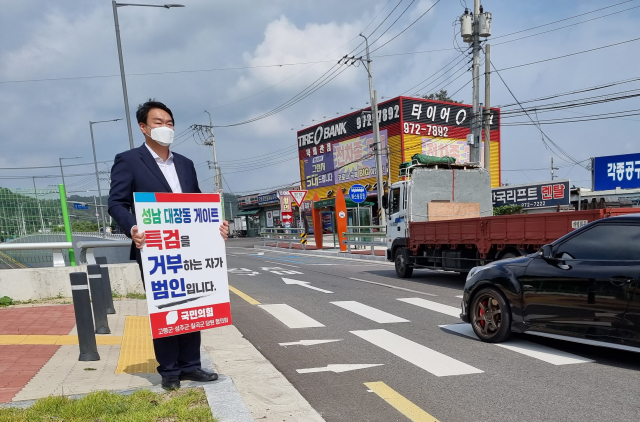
(199, 375)
(172, 382)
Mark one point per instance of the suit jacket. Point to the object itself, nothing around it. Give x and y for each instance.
(137, 171)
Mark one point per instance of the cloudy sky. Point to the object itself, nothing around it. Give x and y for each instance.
(59, 70)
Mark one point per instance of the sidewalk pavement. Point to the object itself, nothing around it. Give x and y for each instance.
(39, 357)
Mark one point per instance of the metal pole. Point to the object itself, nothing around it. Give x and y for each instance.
(475, 126)
(84, 319)
(487, 108)
(95, 163)
(67, 224)
(376, 133)
(95, 204)
(106, 283)
(35, 190)
(122, 75)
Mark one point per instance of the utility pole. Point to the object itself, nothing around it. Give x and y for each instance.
(475, 126)
(95, 204)
(376, 137)
(472, 27)
(217, 177)
(487, 108)
(552, 169)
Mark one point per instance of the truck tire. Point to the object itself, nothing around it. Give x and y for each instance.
(403, 269)
(490, 316)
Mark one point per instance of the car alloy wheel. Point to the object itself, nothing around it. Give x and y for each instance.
(490, 317)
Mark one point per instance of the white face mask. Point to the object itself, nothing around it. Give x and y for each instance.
(162, 135)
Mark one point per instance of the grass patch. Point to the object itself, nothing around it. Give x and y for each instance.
(117, 295)
(143, 405)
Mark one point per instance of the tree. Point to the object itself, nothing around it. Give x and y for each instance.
(441, 95)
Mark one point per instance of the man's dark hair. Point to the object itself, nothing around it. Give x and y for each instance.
(143, 110)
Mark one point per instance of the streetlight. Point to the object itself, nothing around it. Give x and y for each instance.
(122, 76)
(62, 172)
(95, 162)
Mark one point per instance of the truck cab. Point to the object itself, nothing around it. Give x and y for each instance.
(397, 218)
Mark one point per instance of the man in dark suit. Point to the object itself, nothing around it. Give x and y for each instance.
(153, 168)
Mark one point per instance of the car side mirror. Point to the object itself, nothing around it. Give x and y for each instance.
(385, 201)
(546, 252)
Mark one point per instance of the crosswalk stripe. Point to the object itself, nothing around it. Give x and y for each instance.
(431, 361)
(291, 317)
(433, 306)
(369, 312)
(534, 350)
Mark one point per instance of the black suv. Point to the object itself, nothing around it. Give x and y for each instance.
(583, 286)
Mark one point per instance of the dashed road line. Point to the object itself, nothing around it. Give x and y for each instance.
(391, 286)
(399, 402)
(423, 357)
(290, 316)
(369, 312)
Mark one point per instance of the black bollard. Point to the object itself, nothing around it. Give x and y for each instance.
(98, 300)
(106, 282)
(84, 319)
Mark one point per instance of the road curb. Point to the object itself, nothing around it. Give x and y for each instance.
(342, 255)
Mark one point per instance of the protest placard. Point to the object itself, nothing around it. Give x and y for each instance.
(184, 262)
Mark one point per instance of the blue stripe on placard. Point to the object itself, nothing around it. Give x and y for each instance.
(145, 196)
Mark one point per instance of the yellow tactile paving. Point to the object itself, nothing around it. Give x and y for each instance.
(56, 340)
(136, 354)
(40, 339)
(401, 404)
(12, 339)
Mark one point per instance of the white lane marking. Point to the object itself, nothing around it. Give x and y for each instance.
(537, 351)
(433, 306)
(392, 287)
(431, 361)
(307, 342)
(291, 317)
(459, 297)
(336, 258)
(304, 284)
(338, 368)
(322, 264)
(587, 341)
(369, 312)
(280, 263)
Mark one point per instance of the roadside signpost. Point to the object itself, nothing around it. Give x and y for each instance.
(358, 194)
(184, 262)
(298, 196)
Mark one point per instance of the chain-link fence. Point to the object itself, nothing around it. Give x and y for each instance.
(30, 216)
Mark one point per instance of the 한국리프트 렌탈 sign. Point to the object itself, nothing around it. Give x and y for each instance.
(184, 261)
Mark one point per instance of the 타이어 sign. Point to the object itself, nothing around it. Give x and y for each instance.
(184, 262)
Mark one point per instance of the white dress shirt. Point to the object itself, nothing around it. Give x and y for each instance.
(168, 169)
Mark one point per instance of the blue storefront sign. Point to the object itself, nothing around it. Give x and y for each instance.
(616, 171)
(357, 193)
(270, 198)
(533, 195)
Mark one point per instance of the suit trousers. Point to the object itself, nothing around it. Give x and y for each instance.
(177, 354)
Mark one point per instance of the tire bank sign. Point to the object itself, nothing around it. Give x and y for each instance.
(341, 152)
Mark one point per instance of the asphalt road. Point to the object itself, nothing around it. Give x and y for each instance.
(397, 326)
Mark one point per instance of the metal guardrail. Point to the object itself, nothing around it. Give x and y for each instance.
(87, 246)
(56, 248)
(278, 234)
(359, 238)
